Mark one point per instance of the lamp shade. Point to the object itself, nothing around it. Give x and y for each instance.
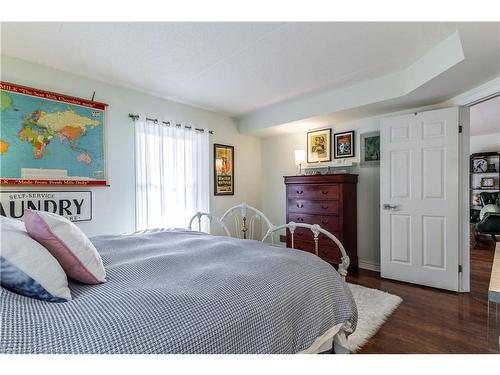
(300, 157)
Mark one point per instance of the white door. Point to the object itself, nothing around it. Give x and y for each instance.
(419, 217)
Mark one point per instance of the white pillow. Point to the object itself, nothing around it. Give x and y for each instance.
(493, 208)
(68, 244)
(27, 268)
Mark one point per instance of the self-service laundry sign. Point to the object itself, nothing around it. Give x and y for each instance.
(73, 205)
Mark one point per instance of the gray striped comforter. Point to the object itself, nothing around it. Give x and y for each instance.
(174, 291)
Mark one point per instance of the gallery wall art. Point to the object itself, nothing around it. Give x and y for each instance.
(223, 170)
(319, 145)
(344, 144)
(370, 149)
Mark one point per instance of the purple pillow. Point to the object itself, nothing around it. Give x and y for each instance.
(68, 244)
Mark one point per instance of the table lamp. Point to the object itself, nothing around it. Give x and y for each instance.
(300, 158)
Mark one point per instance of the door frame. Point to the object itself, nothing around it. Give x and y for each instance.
(465, 101)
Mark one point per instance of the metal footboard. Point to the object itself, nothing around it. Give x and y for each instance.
(245, 229)
(316, 230)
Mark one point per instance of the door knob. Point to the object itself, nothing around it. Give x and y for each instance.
(388, 206)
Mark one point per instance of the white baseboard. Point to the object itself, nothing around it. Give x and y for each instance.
(367, 265)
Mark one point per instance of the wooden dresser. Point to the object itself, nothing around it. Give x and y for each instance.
(329, 201)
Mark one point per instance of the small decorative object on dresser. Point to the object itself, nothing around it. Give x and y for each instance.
(223, 170)
(344, 144)
(318, 145)
(329, 201)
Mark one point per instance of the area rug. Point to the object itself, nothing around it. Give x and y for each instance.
(374, 307)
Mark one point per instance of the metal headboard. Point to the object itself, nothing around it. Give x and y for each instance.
(211, 218)
(246, 229)
(249, 217)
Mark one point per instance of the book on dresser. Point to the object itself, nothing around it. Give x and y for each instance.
(329, 201)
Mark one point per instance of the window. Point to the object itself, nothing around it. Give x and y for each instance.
(172, 175)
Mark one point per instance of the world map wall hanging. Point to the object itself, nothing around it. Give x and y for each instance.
(50, 139)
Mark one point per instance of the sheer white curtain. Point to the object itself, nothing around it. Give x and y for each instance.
(172, 175)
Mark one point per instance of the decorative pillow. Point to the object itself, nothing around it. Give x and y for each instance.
(27, 268)
(493, 208)
(68, 244)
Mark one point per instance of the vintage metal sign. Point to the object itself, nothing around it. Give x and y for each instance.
(73, 205)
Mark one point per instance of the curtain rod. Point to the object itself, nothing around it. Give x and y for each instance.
(155, 120)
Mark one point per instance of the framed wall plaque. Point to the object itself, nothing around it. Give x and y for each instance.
(223, 170)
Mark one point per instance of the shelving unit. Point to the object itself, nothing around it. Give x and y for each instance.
(492, 160)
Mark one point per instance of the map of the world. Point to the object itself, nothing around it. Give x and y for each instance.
(50, 138)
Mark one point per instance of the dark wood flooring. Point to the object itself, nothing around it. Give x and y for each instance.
(435, 321)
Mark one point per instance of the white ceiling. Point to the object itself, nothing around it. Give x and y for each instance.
(485, 117)
(240, 68)
(232, 68)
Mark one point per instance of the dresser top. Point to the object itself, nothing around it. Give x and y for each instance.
(322, 178)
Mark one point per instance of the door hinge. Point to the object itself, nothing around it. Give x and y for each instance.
(459, 268)
(460, 129)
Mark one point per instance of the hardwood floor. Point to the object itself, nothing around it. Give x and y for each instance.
(435, 321)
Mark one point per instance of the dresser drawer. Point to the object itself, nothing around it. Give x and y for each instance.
(330, 254)
(313, 191)
(330, 223)
(305, 234)
(313, 207)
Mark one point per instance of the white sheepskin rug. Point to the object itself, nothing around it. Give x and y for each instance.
(374, 307)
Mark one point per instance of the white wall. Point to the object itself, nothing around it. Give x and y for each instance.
(113, 206)
(485, 143)
(278, 161)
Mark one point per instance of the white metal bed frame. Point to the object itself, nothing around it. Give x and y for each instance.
(247, 229)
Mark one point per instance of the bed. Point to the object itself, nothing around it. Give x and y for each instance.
(183, 291)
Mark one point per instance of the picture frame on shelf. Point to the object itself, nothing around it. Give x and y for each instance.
(344, 145)
(319, 145)
(487, 182)
(491, 168)
(479, 165)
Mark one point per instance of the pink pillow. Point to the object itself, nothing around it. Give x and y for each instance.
(68, 244)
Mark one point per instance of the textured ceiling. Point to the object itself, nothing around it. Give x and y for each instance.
(233, 68)
(241, 69)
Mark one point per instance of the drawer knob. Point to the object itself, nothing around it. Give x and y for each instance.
(300, 219)
(324, 207)
(300, 205)
(325, 192)
(300, 191)
(324, 221)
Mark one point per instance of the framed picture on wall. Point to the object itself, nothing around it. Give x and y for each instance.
(344, 144)
(370, 149)
(319, 145)
(223, 170)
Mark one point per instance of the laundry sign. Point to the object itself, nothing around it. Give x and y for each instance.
(73, 205)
